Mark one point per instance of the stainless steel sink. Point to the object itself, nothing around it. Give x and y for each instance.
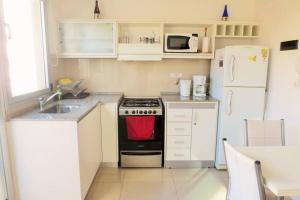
(59, 108)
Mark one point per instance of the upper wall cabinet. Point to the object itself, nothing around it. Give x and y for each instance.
(87, 39)
(237, 30)
(144, 40)
(140, 41)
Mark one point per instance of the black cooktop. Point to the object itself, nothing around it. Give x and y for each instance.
(140, 103)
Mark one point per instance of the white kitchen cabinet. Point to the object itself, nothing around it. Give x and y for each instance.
(109, 115)
(87, 39)
(191, 131)
(89, 146)
(55, 159)
(204, 129)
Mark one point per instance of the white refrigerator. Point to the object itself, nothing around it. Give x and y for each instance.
(238, 79)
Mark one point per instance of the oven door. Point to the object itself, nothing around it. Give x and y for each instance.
(153, 141)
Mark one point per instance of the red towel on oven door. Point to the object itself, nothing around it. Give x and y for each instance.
(140, 127)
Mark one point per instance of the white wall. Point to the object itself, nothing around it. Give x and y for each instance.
(281, 21)
(138, 78)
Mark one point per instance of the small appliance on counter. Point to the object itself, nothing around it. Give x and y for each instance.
(185, 88)
(199, 86)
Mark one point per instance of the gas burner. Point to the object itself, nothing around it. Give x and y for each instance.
(141, 103)
(140, 106)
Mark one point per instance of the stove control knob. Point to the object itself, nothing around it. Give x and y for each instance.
(141, 112)
(133, 112)
(145, 112)
(154, 112)
(126, 112)
(149, 111)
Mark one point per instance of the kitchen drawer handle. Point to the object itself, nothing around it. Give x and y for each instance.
(179, 129)
(178, 154)
(179, 142)
(180, 116)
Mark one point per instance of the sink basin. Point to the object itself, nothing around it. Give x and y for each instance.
(60, 109)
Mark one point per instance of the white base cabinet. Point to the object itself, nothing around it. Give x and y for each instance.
(55, 159)
(109, 116)
(191, 131)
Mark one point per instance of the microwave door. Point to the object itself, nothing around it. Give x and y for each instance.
(178, 43)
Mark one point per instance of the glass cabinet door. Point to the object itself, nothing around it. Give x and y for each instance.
(87, 39)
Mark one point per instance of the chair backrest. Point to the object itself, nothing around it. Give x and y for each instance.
(245, 180)
(265, 132)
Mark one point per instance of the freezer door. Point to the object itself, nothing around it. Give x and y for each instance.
(245, 66)
(238, 104)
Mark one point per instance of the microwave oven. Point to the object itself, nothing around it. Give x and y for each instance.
(181, 43)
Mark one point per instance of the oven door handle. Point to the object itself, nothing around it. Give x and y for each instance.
(141, 153)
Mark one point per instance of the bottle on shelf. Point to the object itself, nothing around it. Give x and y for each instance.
(96, 10)
(205, 42)
(225, 14)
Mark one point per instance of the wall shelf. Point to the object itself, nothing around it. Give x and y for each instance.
(122, 39)
(237, 30)
(189, 55)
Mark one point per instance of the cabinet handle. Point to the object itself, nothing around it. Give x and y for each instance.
(229, 110)
(8, 31)
(178, 154)
(179, 129)
(195, 117)
(232, 63)
(179, 142)
(179, 115)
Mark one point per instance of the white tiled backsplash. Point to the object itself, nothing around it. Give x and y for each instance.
(132, 78)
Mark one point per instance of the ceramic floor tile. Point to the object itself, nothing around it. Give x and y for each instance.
(187, 174)
(109, 174)
(148, 190)
(199, 184)
(105, 191)
(148, 175)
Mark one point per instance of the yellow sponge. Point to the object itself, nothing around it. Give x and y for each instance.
(65, 81)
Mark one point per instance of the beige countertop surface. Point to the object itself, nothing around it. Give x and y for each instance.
(84, 106)
(168, 97)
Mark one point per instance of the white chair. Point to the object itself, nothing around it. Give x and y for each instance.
(245, 179)
(265, 132)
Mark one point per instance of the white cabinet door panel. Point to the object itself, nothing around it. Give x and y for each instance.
(89, 146)
(204, 132)
(109, 132)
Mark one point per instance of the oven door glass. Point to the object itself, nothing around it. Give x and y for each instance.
(178, 42)
(147, 132)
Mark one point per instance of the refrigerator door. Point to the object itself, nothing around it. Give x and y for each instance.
(245, 66)
(237, 104)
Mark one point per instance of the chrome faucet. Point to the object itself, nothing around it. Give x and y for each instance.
(44, 100)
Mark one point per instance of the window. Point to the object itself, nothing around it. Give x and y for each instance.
(25, 47)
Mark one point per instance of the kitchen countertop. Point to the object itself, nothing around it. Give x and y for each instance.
(86, 105)
(169, 97)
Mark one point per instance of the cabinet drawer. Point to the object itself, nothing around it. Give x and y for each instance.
(179, 115)
(179, 141)
(178, 154)
(174, 128)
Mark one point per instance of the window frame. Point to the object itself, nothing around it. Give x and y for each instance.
(12, 100)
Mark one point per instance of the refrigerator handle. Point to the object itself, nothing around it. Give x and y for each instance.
(229, 99)
(231, 65)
